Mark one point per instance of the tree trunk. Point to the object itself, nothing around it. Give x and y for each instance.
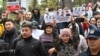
(63, 3)
(68, 3)
(95, 1)
(80, 3)
(89, 1)
(35, 3)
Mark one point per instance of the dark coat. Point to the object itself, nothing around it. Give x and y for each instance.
(29, 47)
(87, 53)
(17, 24)
(38, 18)
(48, 41)
(14, 42)
(8, 36)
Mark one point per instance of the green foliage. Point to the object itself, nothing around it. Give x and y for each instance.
(44, 3)
(49, 3)
(32, 4)
(54, 3)
(4, 4)
(1, 9)
(80, 2)
(12, 16)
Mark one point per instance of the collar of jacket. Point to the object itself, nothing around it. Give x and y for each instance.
(89, 53)
(28, 38)
(11, 31)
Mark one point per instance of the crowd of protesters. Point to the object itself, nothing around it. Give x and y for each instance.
(80, 36)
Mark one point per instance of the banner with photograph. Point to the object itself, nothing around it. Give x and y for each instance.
(63, 16)
(77, 11)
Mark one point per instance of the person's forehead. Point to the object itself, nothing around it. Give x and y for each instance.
(3, 13)
(35, 10)
(28, 13)
(98, 20)
(9, 22)
(26, 28)
(19, 14)
(93, 19)
(98, 15)
(65, 35)
(49, 27)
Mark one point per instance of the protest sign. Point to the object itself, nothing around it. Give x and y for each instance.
(59, 16)
(78, 11)
(36, 33)
(63, 19)
(13, 6)
(63, 16)
(49, 17)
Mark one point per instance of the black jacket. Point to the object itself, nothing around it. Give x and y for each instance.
(29, 47)
(8, 36)
(87, 53)
(14, 42)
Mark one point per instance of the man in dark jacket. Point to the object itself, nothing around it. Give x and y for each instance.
(93, 40)
(19, 19)
(29, 46)
(10, 32)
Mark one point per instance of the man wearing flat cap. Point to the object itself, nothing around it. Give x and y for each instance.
(19, 19)
(93, 41)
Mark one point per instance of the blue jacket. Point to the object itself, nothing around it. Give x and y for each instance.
(87, 53)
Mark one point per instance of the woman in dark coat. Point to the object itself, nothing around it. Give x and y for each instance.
(49, 38)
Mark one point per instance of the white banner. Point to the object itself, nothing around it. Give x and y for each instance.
(12, 3)
(61, 19)
(36, 33)
(78, 11)
(59, 16)
(63, 16)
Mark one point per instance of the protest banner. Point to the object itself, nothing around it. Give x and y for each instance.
(59, 16)
(64, 17)
(77, 11)
(61, 19)
(13, 6)
(49, 17)
(36, 33)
